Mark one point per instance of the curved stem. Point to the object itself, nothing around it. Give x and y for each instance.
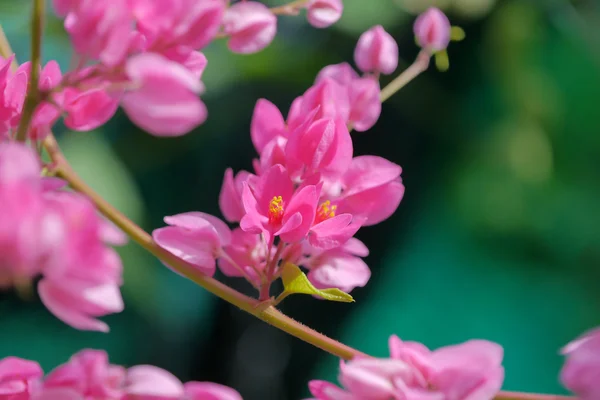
(31, 101)
(420, 65)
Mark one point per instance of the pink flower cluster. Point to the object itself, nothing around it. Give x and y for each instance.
(468, 371)
(89, 375)
(581, 372)
(57, 234)
(308, 195)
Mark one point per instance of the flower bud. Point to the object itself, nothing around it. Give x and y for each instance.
(324, 13)
(432, 30)
(376, 51)
(250, 25)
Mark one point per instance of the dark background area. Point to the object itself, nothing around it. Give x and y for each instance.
(497, 236)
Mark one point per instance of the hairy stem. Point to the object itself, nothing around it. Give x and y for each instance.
(31, 101)
(420, 65)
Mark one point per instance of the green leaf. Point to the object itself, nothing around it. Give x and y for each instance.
(294, 281)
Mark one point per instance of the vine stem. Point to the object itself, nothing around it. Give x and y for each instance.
(31, 101)
(264, 310)
(420, 65)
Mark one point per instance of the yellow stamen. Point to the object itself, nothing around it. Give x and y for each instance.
(276, 210)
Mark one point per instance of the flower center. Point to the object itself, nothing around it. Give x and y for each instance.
(276, 210)
(325, 211)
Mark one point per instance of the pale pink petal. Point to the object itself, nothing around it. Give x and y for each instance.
(250, 25)
(149, 382)
(432, 30)
(267, 123)
(210, 391)
(324, 13)
(376, 51)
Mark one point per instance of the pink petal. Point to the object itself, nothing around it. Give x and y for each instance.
(267, 123)
(149, 382)
(210, 391)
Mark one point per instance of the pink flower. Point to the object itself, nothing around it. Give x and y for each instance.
(170, 23)
(432, 30)
(339, 267)
(194, 237)
(273, 208)
(267, 123)
(210, 391)
(89, 109)
(230, 198)
(13, 88)
(16, 378)
(89, 374)
(166, 101)
(581, 371)
(273, 153)
(246, 251)
(376, 51)
(99, 30)
(63, 7)
(193, 60)
(250, 25)
(81, 275)
(371, 189)
(25, 233)
(327, 97)
(319, 146)
(146, 382)
(469, 371)
(324, 13)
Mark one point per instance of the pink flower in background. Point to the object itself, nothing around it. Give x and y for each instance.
(193, 61)
(194, 237)
(274, 208)
(89, 109)
(46, 114)
(326, 97)
(82, 275)
(324, 13)
(209, 391)
(432, 30)
(165, 101)
(230, 197)
(250, 25)
(376, 51)
(170, 23)
(246, 251)
(581, 371)
(63, 7)
(17, 377)
(468, 371)
(13, 88)
(99, 30)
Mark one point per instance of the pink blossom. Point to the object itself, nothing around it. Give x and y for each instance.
(166, 101)
(194, 237)
(376, 51)
(323, 145)
(89, 374)
(324, 13)
(468, 371)
(230, 198)
(581, 371)
(327, 97)
(371, 189)
(13, 88)
(193, 60)
(432, 30)
(267, 123)
(273, 153)
(250, 25)
(365, 103)
(339, 267)
(210, 391)
(274, 208)
(246, 251)
(16, 378)
(99, 30)
(89, 109)
(146, 382)
(63, 7)
(82, 275)
(342, 73)
(170, 23)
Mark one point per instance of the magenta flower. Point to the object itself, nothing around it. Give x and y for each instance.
(99, 30)
(166, 101)
(230, 197)
(469, 371)
(82, 276)
(432, 30)
(581, 371)
(246, 251)
(89, 109)
(267, 123)
(376, 51)
(324, 13)
(340, 267)
(17, 377)
(327, 97)
(250, 25)
(194, 237)
(274, 208)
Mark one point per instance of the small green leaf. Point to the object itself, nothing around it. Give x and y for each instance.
(294, 281)
(457, 34)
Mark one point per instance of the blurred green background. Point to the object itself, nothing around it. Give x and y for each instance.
(497, 237)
